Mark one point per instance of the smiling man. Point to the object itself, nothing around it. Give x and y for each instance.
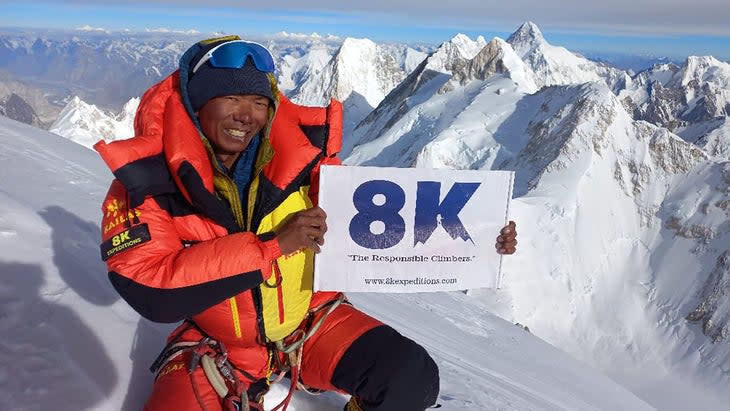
(219, 188)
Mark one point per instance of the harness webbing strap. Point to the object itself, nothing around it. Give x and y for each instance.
(295, 358)
(295, 350)
(214, 376)
(330, 305)
(212, 356)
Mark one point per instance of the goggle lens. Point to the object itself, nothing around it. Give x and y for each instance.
(233, 54)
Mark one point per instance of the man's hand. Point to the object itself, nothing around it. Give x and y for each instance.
(506, 240)
(303, 229)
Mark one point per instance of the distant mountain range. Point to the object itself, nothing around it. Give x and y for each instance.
(622, 189)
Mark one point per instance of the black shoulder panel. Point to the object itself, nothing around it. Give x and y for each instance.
(175, 204)
(317, 135)
(147, 176)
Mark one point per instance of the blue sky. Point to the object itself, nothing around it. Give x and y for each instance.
(673, 28)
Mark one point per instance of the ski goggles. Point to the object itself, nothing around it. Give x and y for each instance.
(233, 55)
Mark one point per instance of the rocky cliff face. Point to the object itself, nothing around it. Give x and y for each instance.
(713, 311)
(16, 108)
(497, 57)
(28, 104)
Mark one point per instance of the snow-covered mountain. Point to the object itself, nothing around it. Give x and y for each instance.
(424, 82)
(359, 75)
(296, 65)
(554, 65)
(636, 215)
(692, 100)
(620, 217)
(98, 67)
(311, 69)
(108, 69)
(70, 343)
(628, 211)
(86, 124)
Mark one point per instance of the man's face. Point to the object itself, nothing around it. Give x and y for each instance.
(230, 122)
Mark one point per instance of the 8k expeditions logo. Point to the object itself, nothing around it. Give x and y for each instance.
(116, 213)
(429, 212)
(132, 237)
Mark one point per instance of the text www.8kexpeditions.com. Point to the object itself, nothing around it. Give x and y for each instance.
(415, 281)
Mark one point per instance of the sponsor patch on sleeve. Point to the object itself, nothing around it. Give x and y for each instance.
(127, 239)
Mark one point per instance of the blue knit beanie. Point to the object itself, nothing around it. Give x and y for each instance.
(209, 82)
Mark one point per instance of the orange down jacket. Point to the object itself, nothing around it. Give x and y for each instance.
(175, 249)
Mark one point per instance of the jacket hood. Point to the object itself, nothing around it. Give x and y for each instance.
(168, 137)
(185, 72)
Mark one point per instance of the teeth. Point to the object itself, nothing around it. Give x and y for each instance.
(236, 133)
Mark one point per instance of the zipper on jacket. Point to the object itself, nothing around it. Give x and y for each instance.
(236, 318)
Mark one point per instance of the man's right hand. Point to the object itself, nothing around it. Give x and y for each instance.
(303, 229)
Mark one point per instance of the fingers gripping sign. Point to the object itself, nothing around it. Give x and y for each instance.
(303, 229)
(507, 239)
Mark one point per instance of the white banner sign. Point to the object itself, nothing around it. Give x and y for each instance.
(411, 230)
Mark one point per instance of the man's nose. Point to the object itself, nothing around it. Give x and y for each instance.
(242, 112)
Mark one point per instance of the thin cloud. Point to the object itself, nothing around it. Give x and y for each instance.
(88, 27)
(167, 30)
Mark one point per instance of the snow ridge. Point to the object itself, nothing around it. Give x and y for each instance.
(86, 124)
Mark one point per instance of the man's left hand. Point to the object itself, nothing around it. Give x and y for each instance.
(506, 240)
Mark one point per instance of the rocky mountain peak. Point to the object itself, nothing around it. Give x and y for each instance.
(486, 63)
(527, 36)
(690, 100)
(706, 69)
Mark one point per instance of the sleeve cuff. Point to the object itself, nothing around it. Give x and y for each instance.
(271, 251)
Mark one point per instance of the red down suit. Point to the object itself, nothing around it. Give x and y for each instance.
(179, 245)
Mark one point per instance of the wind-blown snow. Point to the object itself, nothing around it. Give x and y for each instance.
(68, 341)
